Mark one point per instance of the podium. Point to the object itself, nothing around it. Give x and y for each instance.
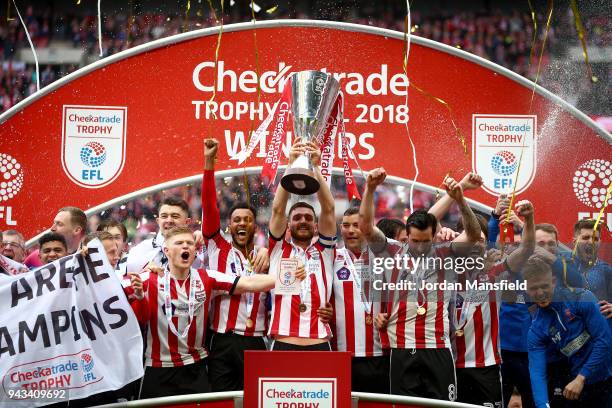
(297, 379)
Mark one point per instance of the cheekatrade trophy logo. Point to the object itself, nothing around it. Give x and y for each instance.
(504, 151)
(93, 144)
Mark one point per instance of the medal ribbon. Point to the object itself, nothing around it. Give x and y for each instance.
(194, 278)
(465, 308)
(305, 284)
(355, 268)
(250, 296)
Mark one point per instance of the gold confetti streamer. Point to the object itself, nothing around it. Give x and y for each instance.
(601, 212)
(8, 11)
(271, 10)
(458, 132)
(535, 31)
(257, 74)
(598, 220)
(27, 34)
(582, 37)
(518, 170)
(217, 48)
(549, 13)
(131, 20)
(247, 190)
(405, 67)
(186, 24)
(257, 69)
(603, 208)
(213, 11)
(100, 28)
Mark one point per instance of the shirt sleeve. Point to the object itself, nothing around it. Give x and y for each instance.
(211, 223)
(497, 271)
(141, 306)
(493, 230)
(326, 242)
(536, 346)
(222, 283)
(567, 275)
(608, 278)
(597, 327)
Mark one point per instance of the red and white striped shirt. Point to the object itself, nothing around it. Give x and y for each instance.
(406, 329)
(479, 345)
(352, 325)
(230, 313)
(164, 348)
(287, 320)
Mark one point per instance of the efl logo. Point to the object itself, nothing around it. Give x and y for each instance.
(87, 364)
(93, 144)
(497, 143)
(591, 181)
(11, 181)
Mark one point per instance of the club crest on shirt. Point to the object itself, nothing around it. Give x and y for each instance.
(314, 254)
(482, 277)
(173, 308)
(200, 296)
(569, 315)
(200, 293)
(554, 333)
(343, 273)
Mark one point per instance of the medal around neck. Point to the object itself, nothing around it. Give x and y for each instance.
(313, 94)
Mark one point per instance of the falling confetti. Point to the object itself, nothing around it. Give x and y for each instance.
(582, 37)
(27, 33)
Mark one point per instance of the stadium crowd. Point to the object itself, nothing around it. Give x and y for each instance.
(502, 37)
(548, 341)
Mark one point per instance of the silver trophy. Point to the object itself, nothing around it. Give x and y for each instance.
(313, 95)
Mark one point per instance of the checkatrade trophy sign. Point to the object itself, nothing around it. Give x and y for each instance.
(313, 95)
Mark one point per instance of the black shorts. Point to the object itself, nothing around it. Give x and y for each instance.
(558, 375)
(426, 373)
(597, 394)
(168, 381)
(226, 360)
(280, 346)
(480, 386)
(370, 374)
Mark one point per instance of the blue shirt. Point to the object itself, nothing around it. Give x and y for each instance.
(573, 324)
(515, 321)
(597, 278)
(514, 317)
(568, 275)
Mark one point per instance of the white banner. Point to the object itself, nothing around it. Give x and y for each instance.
(11, 267)
(66, 327)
